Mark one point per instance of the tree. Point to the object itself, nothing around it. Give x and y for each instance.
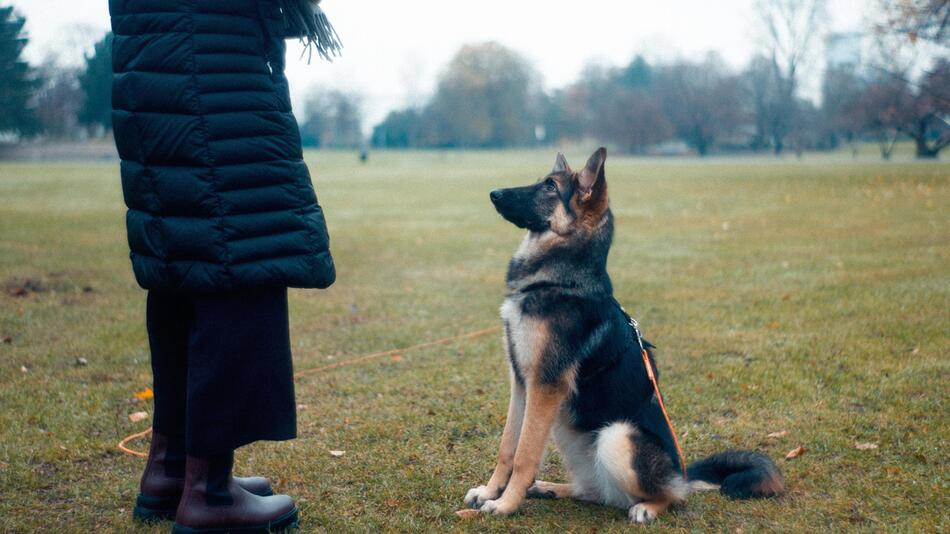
(17, 79)
(487, 97)
(613, 105)
(702, 101)
(841, 89)
(924, 113)
(559, 117)
(911, 45)
(792, 27)
(575, 112)
(926, 20)
(58, 100)
(927, 120)
(632, 118)
(761, 87)
(882, 108)
(95, 83)
(332, 119)
(638, 73)
(805, 132)
(400, 129)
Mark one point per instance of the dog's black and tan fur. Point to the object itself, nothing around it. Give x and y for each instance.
(576, 370)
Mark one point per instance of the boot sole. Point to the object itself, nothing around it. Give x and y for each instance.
(154, 509)
(284, 522)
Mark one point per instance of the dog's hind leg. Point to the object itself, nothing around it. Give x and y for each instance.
(577, 453)
(647, 511)
(550, 490)
(634, 472)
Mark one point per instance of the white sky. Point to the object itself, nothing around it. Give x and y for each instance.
(394, 50)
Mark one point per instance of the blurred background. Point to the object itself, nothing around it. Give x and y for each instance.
(795, 281)
(863, 78)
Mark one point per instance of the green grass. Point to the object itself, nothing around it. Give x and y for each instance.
(807, 296)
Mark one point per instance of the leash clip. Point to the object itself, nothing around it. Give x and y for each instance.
(635, 326)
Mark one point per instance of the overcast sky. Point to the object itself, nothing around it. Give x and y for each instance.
(394, 50)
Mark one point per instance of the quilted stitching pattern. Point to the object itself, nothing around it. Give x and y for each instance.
(218, 194)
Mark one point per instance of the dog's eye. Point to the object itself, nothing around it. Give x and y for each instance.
(550, 186)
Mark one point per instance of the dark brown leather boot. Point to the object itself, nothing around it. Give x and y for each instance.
(214, 503)
(164, 479)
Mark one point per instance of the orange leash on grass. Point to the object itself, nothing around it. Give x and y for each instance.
(393, 352)
(316, 370)
(132, 437)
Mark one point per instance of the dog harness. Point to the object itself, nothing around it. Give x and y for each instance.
(635, 327)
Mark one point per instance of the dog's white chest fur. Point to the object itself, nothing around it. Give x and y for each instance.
(526, 335)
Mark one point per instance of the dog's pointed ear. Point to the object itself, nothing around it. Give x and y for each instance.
(592, 180)
(560, 164)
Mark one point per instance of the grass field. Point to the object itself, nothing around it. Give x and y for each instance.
(807, 297)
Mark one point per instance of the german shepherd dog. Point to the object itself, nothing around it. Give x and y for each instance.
(576, 369)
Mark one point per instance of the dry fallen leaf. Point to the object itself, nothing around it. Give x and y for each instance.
(773, 325)
(145, 394)
(779, 434)
(135, 417)
(392, 503)
(467, 513)
(337, 453)
(795, 453)
(865, 446)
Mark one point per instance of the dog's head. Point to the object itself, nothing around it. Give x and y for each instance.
(564, 202)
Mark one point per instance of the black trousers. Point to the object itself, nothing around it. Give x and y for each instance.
(223, 375)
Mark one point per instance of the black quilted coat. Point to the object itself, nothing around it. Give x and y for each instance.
(218, 194)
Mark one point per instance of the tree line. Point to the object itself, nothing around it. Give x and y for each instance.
(704, 104)
(52, 100)
(489, 96)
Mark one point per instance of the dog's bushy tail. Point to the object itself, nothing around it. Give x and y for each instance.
(738, 474)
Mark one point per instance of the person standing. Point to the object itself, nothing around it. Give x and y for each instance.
(222, 219)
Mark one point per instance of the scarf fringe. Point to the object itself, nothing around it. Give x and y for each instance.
(306, 20)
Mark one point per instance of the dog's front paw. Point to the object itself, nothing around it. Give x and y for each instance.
(476, 497)
(641, 514)
(498, 507)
